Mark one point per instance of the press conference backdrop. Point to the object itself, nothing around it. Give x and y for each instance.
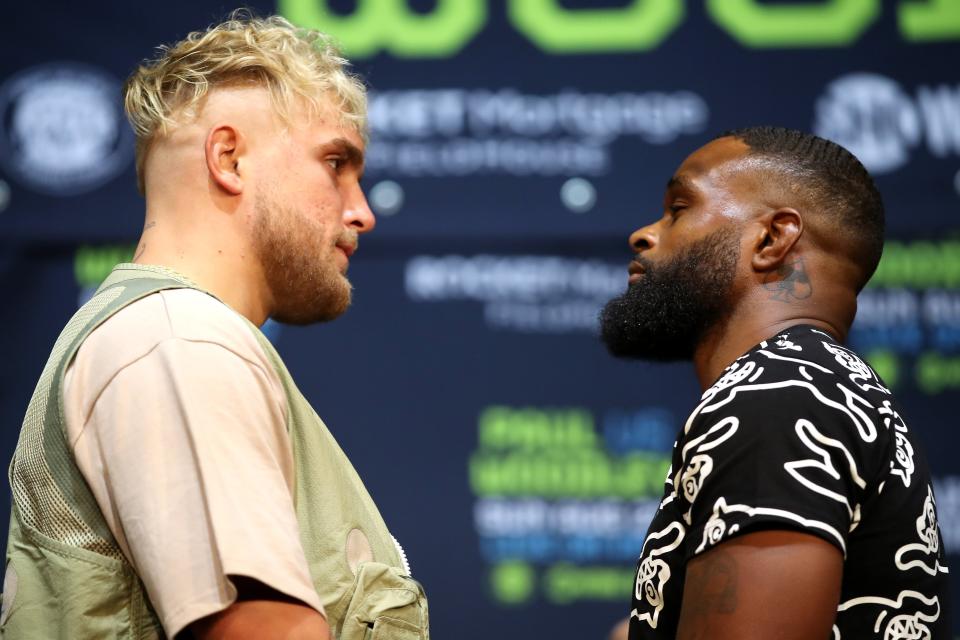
(514, 145)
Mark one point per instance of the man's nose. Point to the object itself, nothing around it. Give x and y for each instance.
(644, 238)
(357, 213)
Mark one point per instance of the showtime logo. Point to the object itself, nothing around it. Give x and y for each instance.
(873, 117)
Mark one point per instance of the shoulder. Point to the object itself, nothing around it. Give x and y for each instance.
(199, 330)
(173, 314)
(799, 392)
(802, 358)
(813, 353)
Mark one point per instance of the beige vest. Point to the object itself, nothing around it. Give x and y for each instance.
(67, 578)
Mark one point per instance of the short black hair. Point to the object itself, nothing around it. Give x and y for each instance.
(833, 179)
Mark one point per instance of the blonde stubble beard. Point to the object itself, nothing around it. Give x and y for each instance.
(299, 263)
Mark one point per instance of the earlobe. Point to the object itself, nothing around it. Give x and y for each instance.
(777, 236)
(223, 149)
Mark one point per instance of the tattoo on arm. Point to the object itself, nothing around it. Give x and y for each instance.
(711, 588)
(789, 282)
(714, 585)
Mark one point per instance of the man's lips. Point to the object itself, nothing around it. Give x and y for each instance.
(636, 269)
(347, 248)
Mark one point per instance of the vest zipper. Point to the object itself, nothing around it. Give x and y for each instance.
(403, 556)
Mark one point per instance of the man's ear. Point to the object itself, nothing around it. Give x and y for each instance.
(223, 148)
(776, 236)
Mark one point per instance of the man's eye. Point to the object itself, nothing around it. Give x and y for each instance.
(336, 163)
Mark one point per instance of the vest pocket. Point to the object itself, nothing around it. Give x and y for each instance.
(66, 592)
(387, 628)
(385, 606)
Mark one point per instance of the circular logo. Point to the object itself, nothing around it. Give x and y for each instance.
(871, 116)
(62, 128)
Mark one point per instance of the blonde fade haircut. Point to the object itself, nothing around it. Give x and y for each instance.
(290, 62)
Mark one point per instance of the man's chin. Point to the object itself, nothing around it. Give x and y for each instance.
(632, 331)
(652, 350)
(322, 310)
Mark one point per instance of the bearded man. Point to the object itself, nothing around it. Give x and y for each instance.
(170, 480)
(798, 504)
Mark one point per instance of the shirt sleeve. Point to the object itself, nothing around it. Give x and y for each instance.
(187, 452)
(762, 457)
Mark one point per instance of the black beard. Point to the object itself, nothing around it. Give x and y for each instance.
(665, 314)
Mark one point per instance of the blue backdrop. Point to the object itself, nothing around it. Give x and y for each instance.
(514, 146)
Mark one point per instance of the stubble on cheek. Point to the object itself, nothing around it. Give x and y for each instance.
(300, 262)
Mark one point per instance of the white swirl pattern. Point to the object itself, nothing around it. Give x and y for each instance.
(821, 423)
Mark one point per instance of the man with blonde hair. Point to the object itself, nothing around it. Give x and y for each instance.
(170, 479)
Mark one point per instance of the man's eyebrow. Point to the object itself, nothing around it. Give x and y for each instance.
(680, 182)
(353, 153)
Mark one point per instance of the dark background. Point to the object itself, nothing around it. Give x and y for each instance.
(481, 289)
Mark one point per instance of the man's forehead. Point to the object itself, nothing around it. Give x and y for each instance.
(715, 153)
(717, 161)
(327, 117)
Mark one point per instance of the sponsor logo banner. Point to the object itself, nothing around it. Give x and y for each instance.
(62, 129)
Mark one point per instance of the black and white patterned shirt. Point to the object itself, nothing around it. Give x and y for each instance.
(799, 433)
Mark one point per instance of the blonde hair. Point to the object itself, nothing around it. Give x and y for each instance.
(288, 61)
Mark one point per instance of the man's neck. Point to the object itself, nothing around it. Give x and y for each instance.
(215, 256)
